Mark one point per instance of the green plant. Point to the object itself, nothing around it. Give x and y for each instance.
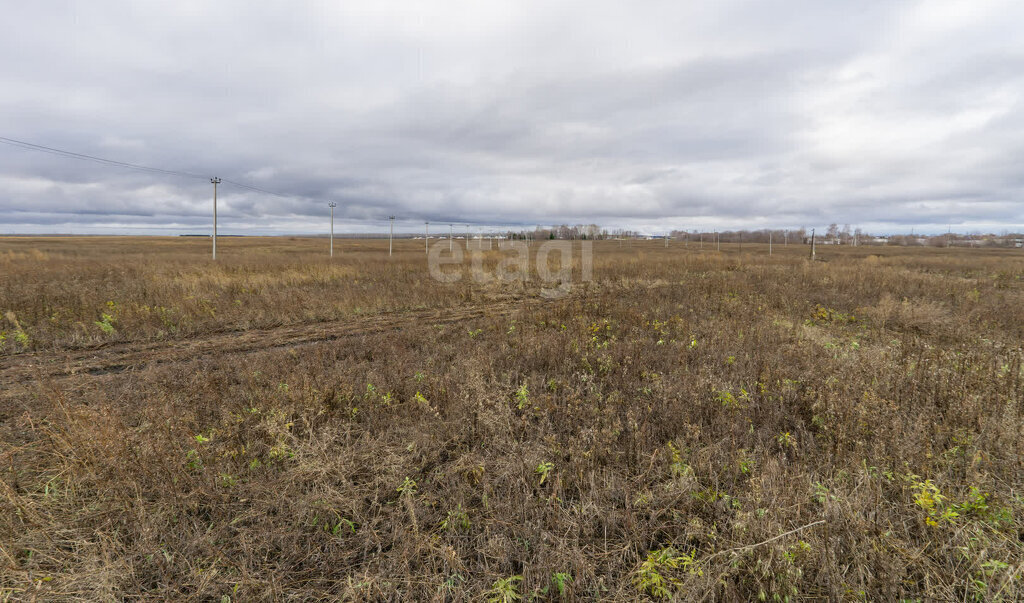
(933, 502)
(745, 463)
(106, 323)
(342, 523)
(522, 397)
(822, 494)
(456, 519)
(20, 336)
(193, 460)
(407, 487)
(726, 399)
(561, 580)
(504, 590)
(656, 576)
(679, 466)
(543, 470)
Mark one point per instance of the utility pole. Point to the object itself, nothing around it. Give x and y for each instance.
(702, 240)
(718, 241)
(451, 237)
(426, 238)
(812, 243)
(769, 242)
(467, 237)
(391, 235)
(215, 182)
(332, 205)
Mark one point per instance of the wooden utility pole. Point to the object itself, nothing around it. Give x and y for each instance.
(391, 235)
(215, 182)
(332, 205)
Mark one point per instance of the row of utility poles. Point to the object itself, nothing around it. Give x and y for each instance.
(718, 242)
(451, 228)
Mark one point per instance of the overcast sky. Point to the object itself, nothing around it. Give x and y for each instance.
(654, 115)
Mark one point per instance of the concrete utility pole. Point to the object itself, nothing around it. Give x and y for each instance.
(215, 182)
(702, 240)
(812, 243)
(332, 205)
(718, 241)
(451, 237)
(391, 235)
(426, 238)
(467, 237)
(769, 242)
(666, 240)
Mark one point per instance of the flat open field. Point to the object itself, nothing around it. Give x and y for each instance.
(689, 424)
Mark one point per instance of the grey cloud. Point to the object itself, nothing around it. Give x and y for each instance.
(787, 114)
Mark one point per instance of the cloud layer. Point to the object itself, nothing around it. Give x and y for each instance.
(654, 115)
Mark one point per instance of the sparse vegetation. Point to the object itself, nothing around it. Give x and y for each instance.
(718, 426)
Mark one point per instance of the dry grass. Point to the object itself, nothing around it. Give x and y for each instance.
(691, 424)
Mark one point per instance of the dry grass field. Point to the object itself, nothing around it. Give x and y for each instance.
(689, 425)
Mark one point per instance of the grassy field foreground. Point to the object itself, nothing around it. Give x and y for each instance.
(691, 424)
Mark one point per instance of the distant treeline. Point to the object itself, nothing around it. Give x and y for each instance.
(832, 235)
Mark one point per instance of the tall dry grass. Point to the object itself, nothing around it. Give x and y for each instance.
(697, 426)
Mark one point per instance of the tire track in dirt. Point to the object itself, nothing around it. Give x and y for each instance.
(116, 358)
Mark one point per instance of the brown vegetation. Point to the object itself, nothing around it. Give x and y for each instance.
(691, 424)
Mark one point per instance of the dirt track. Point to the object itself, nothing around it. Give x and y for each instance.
(119, 357)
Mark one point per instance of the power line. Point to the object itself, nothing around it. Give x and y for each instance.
(145, 168)
(135, 166)
(263, 190)
(84, 157)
